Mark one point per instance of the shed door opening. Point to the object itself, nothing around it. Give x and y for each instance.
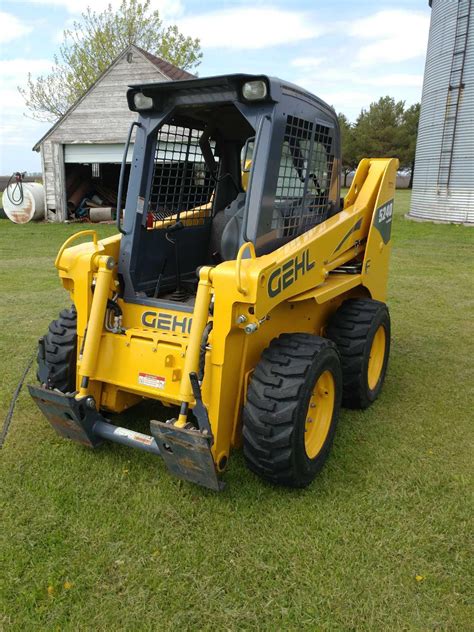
(92, 174)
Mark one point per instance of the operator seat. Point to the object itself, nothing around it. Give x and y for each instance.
(226, 230)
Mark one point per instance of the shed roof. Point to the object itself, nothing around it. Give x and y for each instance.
(170, 71)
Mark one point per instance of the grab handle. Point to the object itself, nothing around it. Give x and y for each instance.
(69, 241)
(238, 278)
(122, 177)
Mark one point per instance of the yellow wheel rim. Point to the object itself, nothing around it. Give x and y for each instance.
(376, 358)
(319, 415)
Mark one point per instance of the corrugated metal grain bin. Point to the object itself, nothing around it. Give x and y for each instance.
(443, 184)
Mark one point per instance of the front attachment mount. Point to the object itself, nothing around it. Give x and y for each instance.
(71, 418)
(186, 451)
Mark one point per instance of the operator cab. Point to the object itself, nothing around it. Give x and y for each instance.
(218, 162)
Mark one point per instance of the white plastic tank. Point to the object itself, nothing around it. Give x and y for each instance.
(22, 206)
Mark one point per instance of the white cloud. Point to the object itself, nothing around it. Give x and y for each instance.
(392, 35)
(58, 38)
(16, 130)
(14, 73)
(21, 131)
(352, 98)
(17, 69)
(335, 75)
(349, 91)
(360, 71)
(395, 79)
(249, 27)
(307, 63)
(345, 100)
(11, 27)
(169, 9)
(11, 100)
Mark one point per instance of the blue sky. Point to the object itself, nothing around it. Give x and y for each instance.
(348, 52)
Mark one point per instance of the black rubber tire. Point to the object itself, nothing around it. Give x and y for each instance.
(353, 328)
(274, 415)
(57, 353)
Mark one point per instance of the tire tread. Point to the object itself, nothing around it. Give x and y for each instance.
(272, 399)
(57, 353)
(348, 329)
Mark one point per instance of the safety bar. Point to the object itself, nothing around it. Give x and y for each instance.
(69, 241)
(122, 177)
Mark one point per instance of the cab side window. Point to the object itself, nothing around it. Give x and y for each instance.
(304, 179)
(319, 179)
(292, 175)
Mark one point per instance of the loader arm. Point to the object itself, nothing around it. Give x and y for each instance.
(358, 230)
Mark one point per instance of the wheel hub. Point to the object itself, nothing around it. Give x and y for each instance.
(376, 357)
(319, 414)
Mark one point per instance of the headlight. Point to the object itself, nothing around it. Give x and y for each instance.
(142, 102)
(254, 90)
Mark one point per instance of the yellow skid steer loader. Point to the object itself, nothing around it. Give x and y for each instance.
(240, 290)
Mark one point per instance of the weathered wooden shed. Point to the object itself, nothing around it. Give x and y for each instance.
(86, 144)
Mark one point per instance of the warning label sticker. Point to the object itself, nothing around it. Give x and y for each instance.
(154, 381)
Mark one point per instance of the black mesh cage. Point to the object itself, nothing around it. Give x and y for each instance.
(304, 177)
(182, 185)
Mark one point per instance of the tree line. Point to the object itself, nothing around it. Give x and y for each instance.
(385, 130)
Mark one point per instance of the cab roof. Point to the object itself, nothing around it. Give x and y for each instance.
(278, 89)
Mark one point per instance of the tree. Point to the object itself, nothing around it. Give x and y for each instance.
(350, 159)
(387, 129)
(411, 118)
(378, 130)
(91, 45)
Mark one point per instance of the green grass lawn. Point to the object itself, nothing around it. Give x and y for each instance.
(107, 540)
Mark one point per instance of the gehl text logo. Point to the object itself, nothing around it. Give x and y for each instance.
(167, 322)
(285, 275)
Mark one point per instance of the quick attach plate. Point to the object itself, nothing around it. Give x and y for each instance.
(187, 454)
(68, 416)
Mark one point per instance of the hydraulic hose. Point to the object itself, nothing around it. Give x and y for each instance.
(16, 195)
(8, 418)
(202, 350)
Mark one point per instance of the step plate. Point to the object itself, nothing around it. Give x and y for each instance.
(187, 454)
